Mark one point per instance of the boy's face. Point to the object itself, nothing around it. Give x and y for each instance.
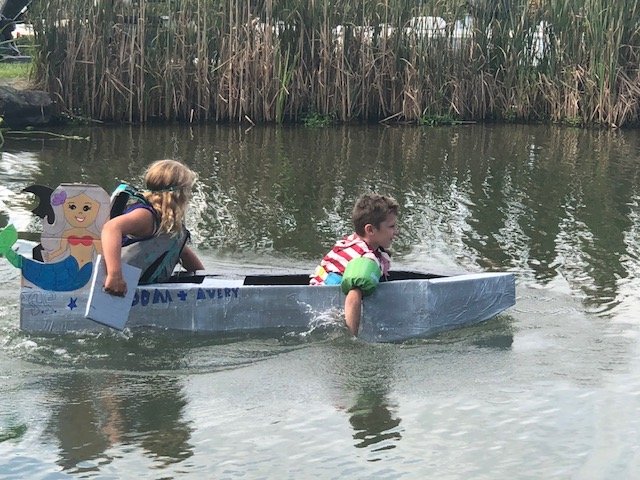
(383, 235)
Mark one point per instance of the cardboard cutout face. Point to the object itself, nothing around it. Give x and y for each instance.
(70, 238)
(81, 211)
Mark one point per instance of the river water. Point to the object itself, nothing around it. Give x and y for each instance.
(549, 389)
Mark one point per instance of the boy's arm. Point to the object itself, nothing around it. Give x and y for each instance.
(360, 278)
(353, 310)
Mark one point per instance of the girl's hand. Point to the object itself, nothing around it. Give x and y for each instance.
(115, 285)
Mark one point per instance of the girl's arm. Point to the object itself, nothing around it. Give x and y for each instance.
(190, 261)
(138, 223)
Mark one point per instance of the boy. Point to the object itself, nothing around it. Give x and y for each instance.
(358, 261)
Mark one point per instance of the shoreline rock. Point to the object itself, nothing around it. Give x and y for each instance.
(22, 108)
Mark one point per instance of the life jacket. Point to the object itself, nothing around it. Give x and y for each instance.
(157, 255)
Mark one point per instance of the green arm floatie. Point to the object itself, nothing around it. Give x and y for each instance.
(362, 273)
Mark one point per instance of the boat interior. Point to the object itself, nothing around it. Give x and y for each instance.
(297, 279)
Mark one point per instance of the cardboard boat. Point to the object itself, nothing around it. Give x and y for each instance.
(409, 305)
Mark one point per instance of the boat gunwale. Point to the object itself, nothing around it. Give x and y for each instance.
(293, 279)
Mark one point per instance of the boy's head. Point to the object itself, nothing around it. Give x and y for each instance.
(374, 219)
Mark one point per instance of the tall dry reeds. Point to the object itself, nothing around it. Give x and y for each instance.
(274, 61)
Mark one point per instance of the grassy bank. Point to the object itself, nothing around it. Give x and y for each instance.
(273, 61)
(14, 72)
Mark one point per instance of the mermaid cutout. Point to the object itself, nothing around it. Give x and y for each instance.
(70, 239)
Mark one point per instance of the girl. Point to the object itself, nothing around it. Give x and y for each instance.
(151, 234)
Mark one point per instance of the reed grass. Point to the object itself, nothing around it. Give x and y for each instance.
(259, 61)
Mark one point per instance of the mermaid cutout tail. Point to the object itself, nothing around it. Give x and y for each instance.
(63, 276)
(9, 236)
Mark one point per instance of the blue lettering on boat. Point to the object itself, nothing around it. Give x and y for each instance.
(217, 293)
(39, 302)
(159, 298)
(142, 298)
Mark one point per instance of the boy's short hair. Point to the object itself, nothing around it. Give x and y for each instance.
(374, 209)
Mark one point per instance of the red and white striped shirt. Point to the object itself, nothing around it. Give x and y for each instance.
(345, 250)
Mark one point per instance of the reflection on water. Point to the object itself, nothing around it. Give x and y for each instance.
(93, 413)
(373, 420)
(366, 376)
(371, 373)
(496, 333)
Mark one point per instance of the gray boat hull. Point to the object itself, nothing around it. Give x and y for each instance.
(398, 310)
(408, 309)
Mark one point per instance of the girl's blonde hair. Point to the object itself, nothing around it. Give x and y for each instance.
(168, 190)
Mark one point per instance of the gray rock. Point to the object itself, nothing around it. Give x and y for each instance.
(20, 108)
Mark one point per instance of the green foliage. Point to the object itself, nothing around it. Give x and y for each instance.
(317, 120)
(573, 122)
(14, 71)
(437, 120)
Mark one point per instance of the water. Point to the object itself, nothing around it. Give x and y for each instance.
(550, 389)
